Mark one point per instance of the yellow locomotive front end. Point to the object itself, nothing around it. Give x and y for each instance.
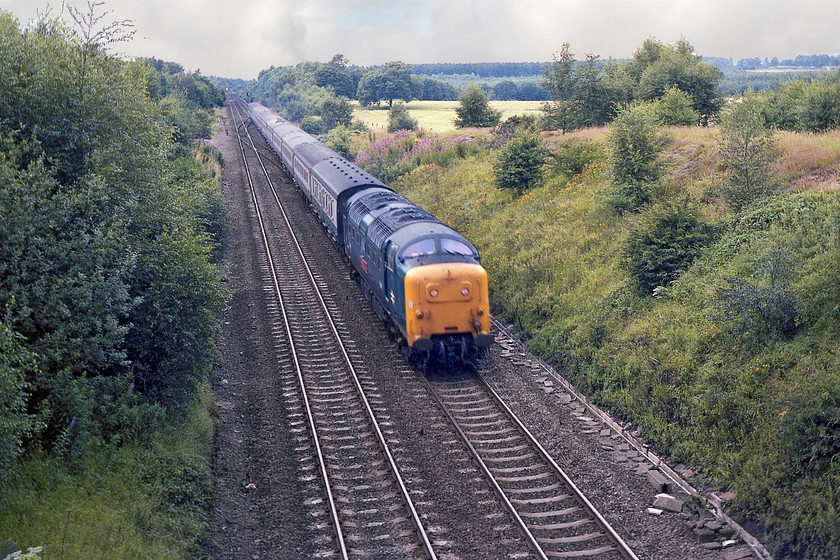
(447, 304)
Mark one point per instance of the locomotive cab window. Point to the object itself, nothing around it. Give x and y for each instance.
(455, 247)
(419, 248)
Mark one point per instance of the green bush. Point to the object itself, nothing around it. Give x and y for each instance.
(675, 108)
(665, 244)
(518, 165)
(399, 119)
(312, 125)
(634, 144)
(572, 157)
(475, 110)
(757, 311)
(15, 423)
(747, 150)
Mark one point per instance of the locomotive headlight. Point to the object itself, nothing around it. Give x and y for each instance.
(433, 292)
(465, 291)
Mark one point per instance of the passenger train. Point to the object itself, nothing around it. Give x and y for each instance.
(423, 278)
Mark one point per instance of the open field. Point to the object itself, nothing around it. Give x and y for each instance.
(438, 116)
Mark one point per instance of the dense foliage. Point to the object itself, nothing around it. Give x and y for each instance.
(634, 143)
(664, 246)
(746, 150)
(108, 292)
(386, 83)
(399, 119)
(589, 93)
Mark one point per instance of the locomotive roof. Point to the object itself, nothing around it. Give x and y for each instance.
(387, 215)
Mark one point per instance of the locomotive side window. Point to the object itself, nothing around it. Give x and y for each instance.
(455, 247)
(419, 248)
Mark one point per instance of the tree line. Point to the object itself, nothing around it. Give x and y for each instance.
(109, 236)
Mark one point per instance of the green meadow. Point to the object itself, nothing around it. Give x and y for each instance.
(439, 116)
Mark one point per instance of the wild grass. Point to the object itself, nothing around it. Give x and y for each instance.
(136, 502)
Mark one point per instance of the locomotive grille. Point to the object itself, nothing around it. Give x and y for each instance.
(372, 201)
(383, 226)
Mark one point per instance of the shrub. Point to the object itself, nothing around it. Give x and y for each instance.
(312, 125)
(15, 423)
(665, 245)
(758, 311)
(573, 156)
(399, 119)
(627, 197)
(518, 166)
(634, 143)
(675, 108)
(474, 109)
(336, 111)
(800, 456)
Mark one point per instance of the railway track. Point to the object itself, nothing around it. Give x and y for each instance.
(369, 506)
(557, 519)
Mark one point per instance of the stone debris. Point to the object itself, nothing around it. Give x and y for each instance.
(737, 554)
(668, 502)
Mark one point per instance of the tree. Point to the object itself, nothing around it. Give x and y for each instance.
(433, 90)
(559, 81)
(336, 76)
(595, 102)
(475, 110)
(747, 150)
(634, 144)
(89, 190)
(819, 109)
(336, 111)
(390, 82)
(505, 90)
(658, 67)
(518, 165)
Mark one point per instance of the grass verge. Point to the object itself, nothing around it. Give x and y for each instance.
(138, 501)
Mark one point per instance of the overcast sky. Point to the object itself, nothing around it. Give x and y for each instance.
(238, 38)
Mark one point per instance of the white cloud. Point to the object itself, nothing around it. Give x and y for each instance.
(240, 38)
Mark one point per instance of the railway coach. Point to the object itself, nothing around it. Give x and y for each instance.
(423, 278)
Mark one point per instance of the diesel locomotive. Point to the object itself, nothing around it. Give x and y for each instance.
(422, 278)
